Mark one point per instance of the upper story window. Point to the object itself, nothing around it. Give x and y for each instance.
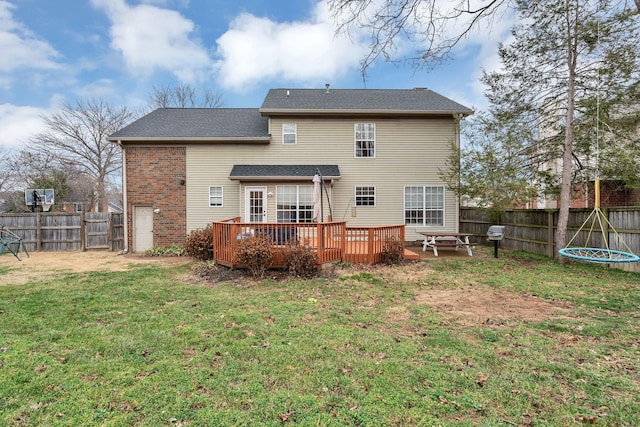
(365, 196)
(289, 131)
(215, 196)
(365, 136)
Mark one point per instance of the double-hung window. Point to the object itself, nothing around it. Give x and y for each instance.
(424, 206)
(294, 203)
(365, 196)
(215, 196)
(289, 133)
(365, 137)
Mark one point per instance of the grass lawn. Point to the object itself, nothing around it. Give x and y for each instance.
(364, 347)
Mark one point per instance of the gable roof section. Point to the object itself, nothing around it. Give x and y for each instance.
(283, 172)
(359, 101)
(197, 124)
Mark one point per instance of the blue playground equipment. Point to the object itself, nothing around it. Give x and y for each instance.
(600, 255)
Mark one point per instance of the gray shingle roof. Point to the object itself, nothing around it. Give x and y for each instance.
(360, 100)
(181, 123)
(284, 171)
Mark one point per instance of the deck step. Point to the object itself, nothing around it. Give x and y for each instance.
(410, 255)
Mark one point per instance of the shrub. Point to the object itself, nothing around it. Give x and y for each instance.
(255, 253)
(173, 250)
(392, 252)
(199, 244)
(300, 260)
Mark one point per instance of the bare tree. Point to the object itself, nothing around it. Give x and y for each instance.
(437, 26)
(6, 169)
(77, 136)
(183, 96)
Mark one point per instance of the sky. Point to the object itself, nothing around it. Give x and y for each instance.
(56, 52)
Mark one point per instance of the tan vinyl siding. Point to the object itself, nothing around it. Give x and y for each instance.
(408, 152)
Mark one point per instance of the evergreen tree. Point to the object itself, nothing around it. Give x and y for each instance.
(564, 55)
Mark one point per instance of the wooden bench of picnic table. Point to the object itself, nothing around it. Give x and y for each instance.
(435, 240)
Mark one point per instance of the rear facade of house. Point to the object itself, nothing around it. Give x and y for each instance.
(379, 153)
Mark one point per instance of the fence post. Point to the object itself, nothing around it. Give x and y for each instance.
(38, 232)
(83, 230)
(605, 230)
(110, 231)
(550, 234)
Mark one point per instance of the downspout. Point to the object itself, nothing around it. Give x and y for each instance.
(457, 119)
(125, 208)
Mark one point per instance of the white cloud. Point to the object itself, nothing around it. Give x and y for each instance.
(20, 47)
(150, 38)
(255, 49)
(19, 123)
(101, 88)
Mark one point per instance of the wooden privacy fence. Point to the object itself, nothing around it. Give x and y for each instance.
(534, 230)
(331, 241)
(60, 231)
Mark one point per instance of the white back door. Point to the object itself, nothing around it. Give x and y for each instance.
(255, 204)
(142, 228)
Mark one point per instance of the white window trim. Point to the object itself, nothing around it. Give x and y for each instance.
(424, 225)
(297, 211)
(221, 205)
(295, 133)
(355, 141)
(355, 196)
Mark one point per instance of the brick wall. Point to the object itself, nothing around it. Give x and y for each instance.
(156, 177)
(614, 194)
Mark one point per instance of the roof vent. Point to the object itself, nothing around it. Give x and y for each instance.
(287, 94)
(420, 88)
(327, 88)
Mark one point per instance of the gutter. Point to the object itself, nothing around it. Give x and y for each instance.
(219, 139)
(298, 112)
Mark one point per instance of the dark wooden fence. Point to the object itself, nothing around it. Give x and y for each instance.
(59, 231)
(533, 230)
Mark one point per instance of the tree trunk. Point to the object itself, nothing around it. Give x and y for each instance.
(567, 151)
(101, 196)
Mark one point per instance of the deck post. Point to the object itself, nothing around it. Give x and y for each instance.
(370, 244)
(319, 252)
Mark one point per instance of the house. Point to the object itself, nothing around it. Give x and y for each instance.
(378, 151)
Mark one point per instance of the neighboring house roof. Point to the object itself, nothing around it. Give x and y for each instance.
(285, 172)
(359, 101)
(193, 124)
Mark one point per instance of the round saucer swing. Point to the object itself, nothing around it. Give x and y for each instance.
(604, 255)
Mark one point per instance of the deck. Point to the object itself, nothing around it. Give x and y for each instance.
(331, 241)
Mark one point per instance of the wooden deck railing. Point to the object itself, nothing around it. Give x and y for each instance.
(365, 245)
(332, 241)
(326, 239)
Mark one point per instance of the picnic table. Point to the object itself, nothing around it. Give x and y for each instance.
(439, 239)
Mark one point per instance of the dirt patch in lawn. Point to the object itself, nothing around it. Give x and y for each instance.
(42, 265)
(472, 306)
